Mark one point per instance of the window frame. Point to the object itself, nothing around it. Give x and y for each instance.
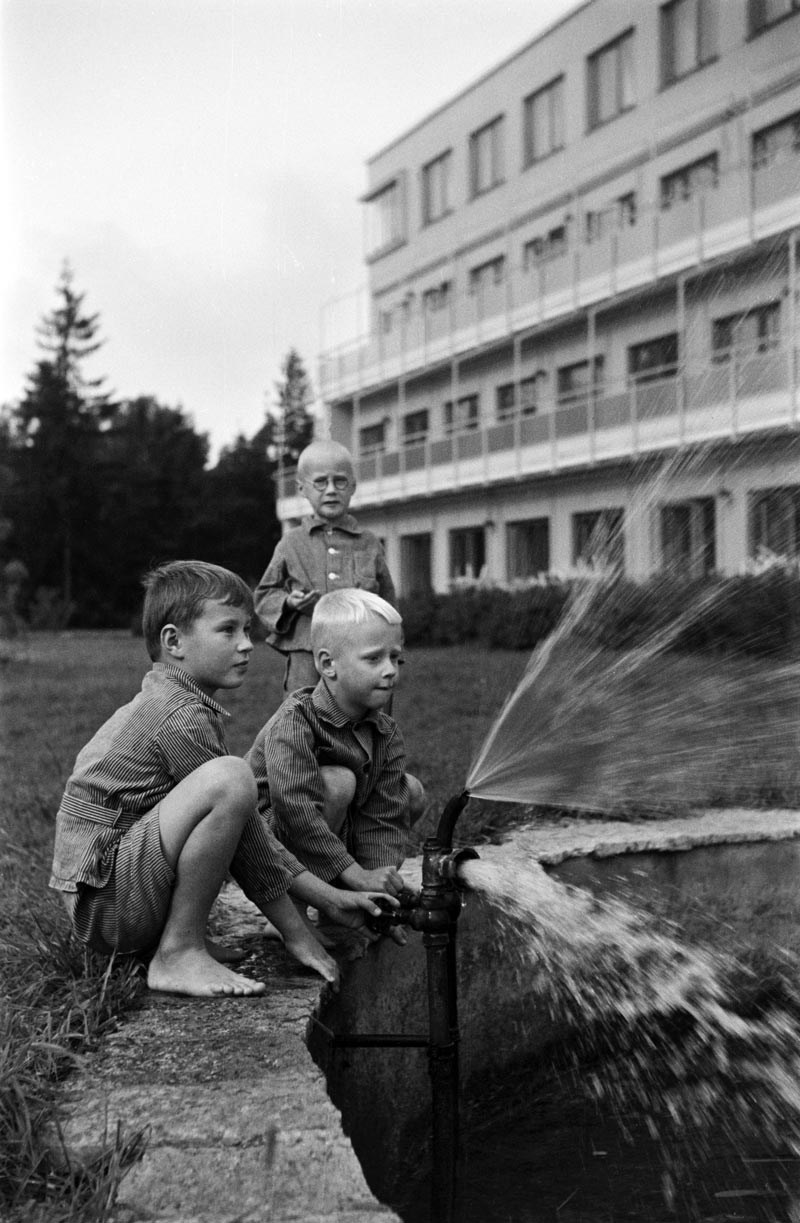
(580, 394)
(415, 437)
(552, 96)
(443, 163)
(692, 184)
(617, 47)
(706, 30)
(494, 269)
(668, 350)
(763, 157)
(493, 133)
(365, 450)
(757, 27)
(395, 234)
(467, 407)
(769, 321)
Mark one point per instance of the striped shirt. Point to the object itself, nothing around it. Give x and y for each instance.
(323, 556)
(309, 730)
(135, 759)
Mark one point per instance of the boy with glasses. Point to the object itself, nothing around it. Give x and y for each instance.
(328, 551)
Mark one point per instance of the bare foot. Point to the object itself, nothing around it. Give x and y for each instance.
(223, 954)
(194, 972)
(307, 949)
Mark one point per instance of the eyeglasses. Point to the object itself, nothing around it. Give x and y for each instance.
(340, 483)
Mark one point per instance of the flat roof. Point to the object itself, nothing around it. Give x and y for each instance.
(509, 59)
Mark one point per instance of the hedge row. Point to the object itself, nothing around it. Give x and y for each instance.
(752, 614)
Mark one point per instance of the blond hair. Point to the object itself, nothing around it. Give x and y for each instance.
(339, 610)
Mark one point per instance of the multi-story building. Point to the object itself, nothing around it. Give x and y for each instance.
(586, 260)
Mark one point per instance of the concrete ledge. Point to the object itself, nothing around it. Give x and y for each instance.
(239, 1123)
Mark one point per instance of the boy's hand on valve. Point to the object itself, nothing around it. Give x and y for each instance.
(382, 879)
(348, 908)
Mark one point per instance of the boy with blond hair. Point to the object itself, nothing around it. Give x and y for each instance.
(156, 812)
(330, 763)
(328, 551)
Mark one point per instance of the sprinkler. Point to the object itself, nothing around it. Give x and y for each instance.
(434, 912)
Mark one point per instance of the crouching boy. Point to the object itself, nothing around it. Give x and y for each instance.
(156, 812)
(330, 764)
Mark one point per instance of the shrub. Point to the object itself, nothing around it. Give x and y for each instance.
(756, 614)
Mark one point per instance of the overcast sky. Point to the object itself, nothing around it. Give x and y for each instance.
(198, 162)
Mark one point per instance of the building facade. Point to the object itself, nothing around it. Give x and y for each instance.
(583, 265)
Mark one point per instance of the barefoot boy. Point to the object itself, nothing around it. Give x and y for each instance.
(328, 551)
(156, 811)
(330, 764)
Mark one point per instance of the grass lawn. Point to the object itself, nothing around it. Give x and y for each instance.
(56, 691)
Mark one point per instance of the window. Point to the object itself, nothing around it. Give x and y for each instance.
(764, 13)
(506, 401)
(701, 175)
(415, 564)
(688, 537)
(756, 330)
(774, 522)
(597, 538)
(626, 209)
(436, 298)
(384, 219)
(386, 321)
(549, 246)
(596, 224)
(486, 157)
(543, 122)
(575, 381)
(777, 142)
(653, 359)
(688, 37)
(467, 553)
(461, 417)
(611, 88)
(415, 427)
(527, 548)
(372, 439)
(490, 273)
(436, 188)
(529, 393)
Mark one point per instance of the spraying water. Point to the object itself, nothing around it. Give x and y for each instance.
(637, 729)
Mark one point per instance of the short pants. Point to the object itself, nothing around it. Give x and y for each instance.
(130, 912)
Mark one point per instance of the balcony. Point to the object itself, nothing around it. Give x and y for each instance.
(747, 205)
(751, 392)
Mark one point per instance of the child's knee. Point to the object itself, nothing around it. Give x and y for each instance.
(417, 798)
(339, 788)
(231, 780)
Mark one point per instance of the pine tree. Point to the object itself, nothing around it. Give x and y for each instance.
(295, 426)
(59, 424)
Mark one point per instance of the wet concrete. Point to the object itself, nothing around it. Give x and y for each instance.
(239, 1121)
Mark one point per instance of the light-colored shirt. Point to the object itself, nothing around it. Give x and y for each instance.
(321, 556)
(134, 760)
(309, 730)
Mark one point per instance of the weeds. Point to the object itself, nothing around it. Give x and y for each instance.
(58, 1003)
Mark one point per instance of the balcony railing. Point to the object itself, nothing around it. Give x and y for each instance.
(751, 392)
(748, 204)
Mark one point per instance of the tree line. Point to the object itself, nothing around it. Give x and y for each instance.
(95, 490)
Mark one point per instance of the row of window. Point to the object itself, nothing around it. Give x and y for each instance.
(755, 330)
(686, 537)
(688, 41)
(697, 177)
